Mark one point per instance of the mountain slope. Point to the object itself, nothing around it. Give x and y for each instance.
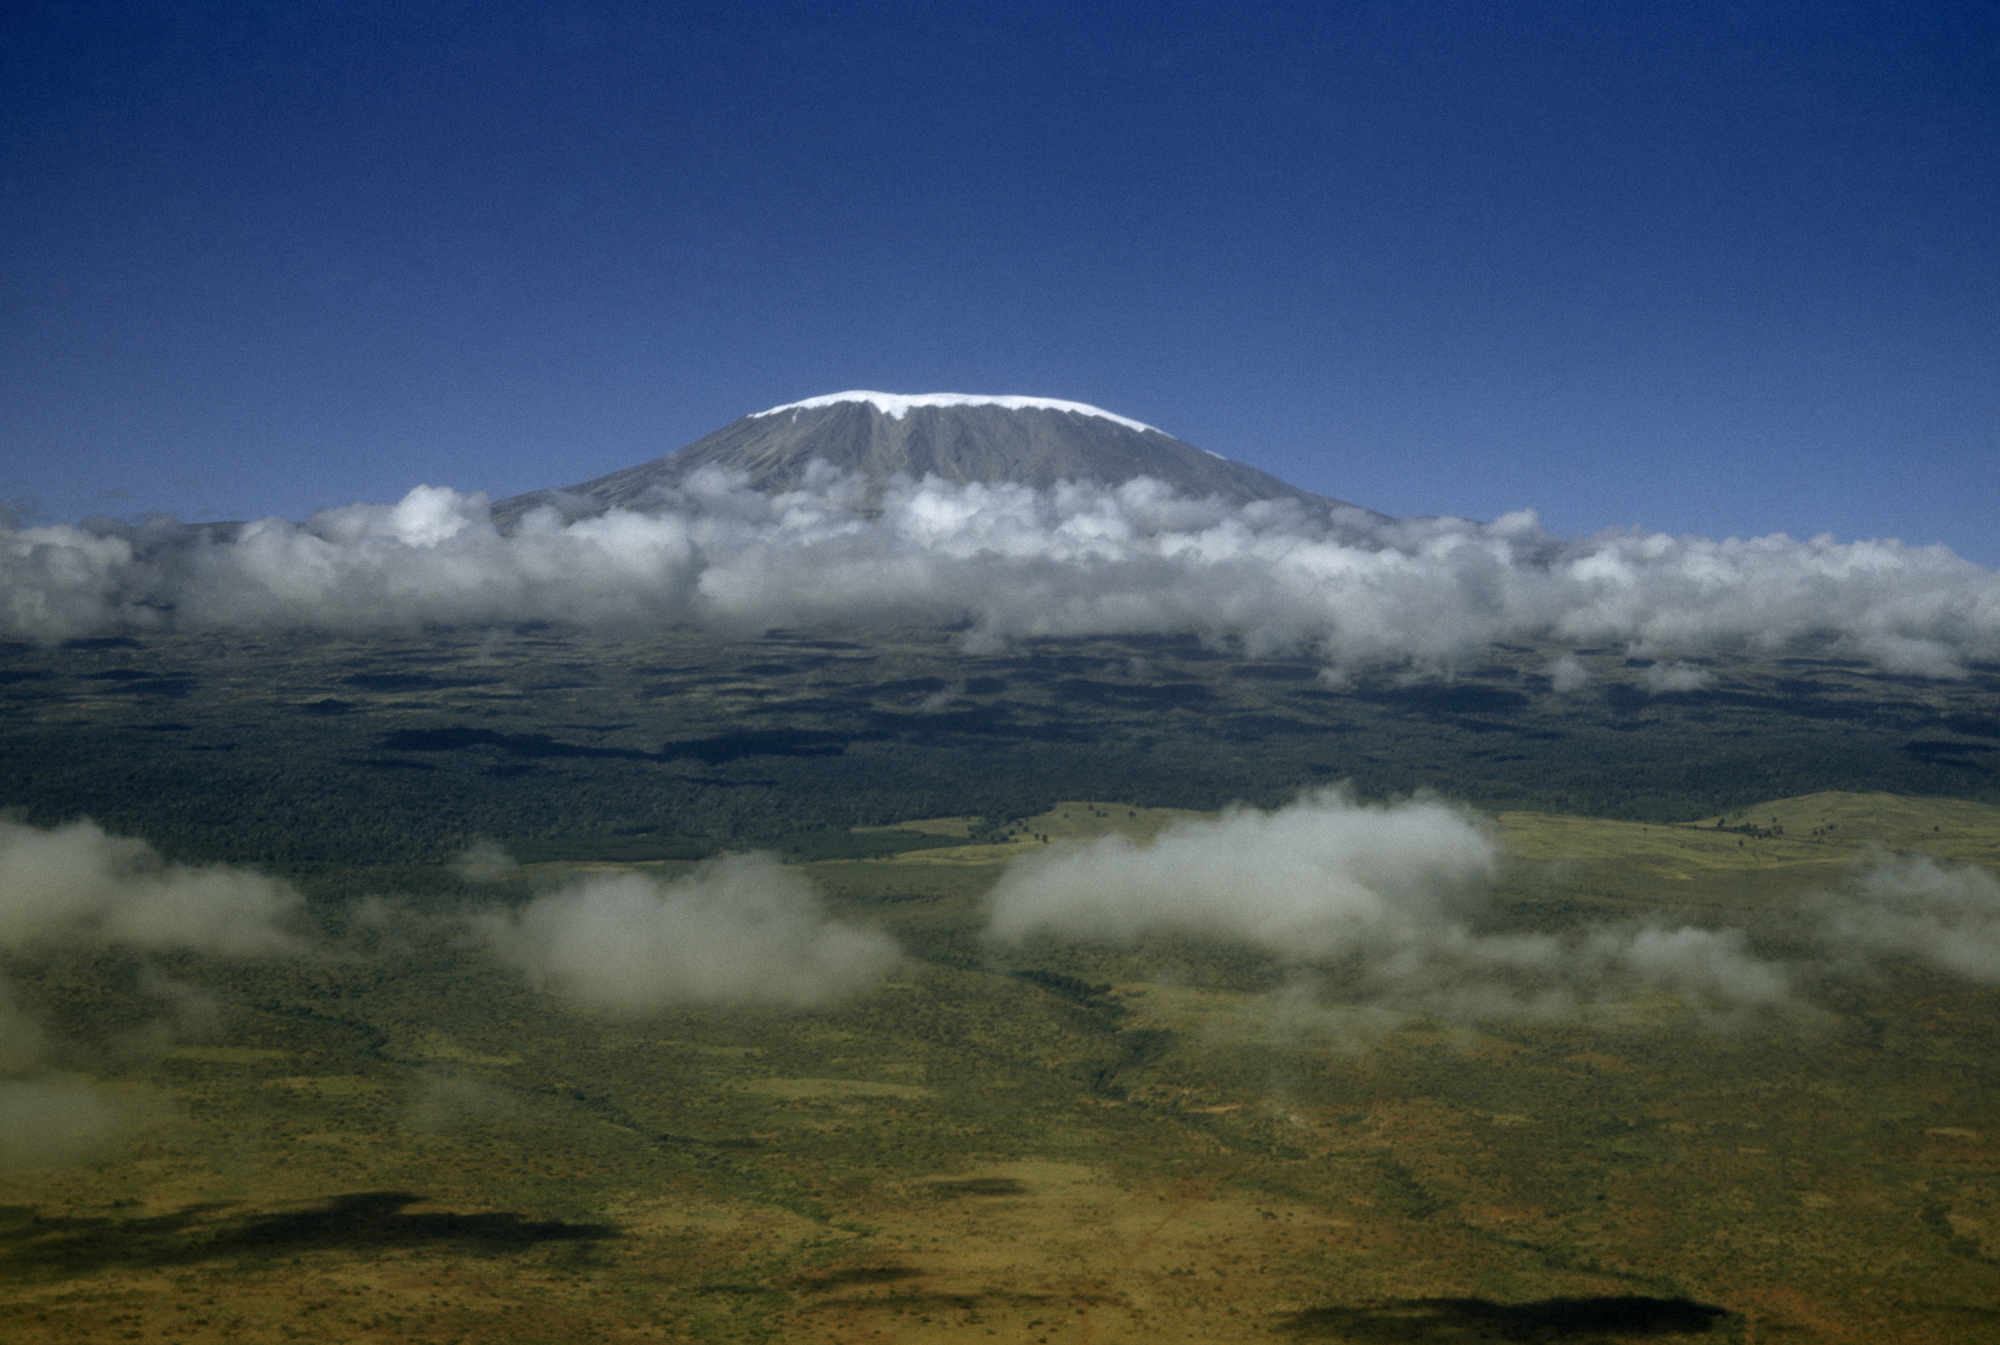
(1023, 440)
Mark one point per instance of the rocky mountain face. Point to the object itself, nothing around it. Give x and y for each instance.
(1027, 441)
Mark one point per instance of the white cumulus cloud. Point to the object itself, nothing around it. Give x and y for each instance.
(1009, 562)
(78, 881)
(738, 930)
(1914, 906)
(1311, 880)
(1385, 898)
(1662, 678)
(1568, 674)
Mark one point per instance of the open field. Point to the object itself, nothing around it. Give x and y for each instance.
(399, 1138)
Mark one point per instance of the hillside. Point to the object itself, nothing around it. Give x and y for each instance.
(994, 440)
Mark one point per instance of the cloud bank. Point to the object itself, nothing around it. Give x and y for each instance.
(1010, 562)
(739, 930)
(1384, 897)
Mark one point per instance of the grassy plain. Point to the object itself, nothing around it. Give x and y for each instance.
(403, 1141)
(399, 1139)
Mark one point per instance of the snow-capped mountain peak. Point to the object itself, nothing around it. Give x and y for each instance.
(896, 405)
(952, 437)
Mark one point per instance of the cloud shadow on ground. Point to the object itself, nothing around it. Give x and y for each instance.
(362, 1221)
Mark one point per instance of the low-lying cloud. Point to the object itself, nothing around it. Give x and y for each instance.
(484, 861)
(1662, 678)
(78, 884)
(737, 931)
(1379, 907)
(1385, 899)
(1312, 880)
(740, 930)
(78, 881)
(1009, 562)
(1945, 914)
(53, 1119)
(446, 1099)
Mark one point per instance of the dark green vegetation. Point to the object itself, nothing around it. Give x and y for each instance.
(310, 753)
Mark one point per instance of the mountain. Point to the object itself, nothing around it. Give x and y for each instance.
(1031, 441)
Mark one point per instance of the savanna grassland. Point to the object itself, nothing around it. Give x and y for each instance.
(395, 1136)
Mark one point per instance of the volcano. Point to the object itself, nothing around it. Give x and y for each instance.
(1028, 441)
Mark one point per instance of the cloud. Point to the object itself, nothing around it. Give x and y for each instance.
(1008, 562)
(484, 861)
(46, 1115)
(1663, 678)
(76, 881)
(940, 698)
(1383, 902)
(1709, 969)
(447, 1098)
(740, 930)
(1311, 880)
(1914, 906)
(53, 1120)
(22, 1043)
(1382, 899)
(1568, 674)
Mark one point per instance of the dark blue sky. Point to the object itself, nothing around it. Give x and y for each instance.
(1712, 268)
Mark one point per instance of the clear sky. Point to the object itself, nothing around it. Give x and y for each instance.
(1712, 268)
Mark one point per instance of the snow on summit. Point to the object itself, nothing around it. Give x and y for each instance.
(896, 405)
